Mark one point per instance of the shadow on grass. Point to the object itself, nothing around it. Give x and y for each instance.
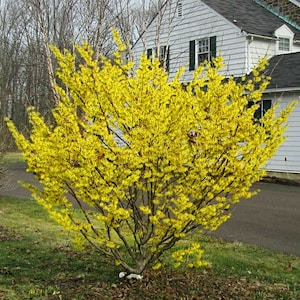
(31, 269)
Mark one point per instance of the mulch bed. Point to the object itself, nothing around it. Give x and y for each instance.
(168, 284)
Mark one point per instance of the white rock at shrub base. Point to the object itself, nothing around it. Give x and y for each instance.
(130, 276)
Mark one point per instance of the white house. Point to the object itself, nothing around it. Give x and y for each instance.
(187, 32)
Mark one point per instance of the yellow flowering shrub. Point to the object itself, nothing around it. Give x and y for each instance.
(147, 161)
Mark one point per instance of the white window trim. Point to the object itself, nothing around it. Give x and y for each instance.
(284, 38)
(207, 52)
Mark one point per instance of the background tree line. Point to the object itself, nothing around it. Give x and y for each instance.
(28, 27)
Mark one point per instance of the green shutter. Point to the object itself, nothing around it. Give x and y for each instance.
(267, 104)
(213, 46)
(192, 55)
(149, 53)
(167, 49)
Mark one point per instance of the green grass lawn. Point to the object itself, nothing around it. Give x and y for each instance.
(37, 261)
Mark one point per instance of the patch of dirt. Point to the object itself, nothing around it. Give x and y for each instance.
(168, 284)
(9, 235)
(284, 181)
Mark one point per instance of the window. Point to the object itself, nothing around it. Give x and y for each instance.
(284, 44)
(162, 53)
(264, 106)
(179, 9)
(201, 50)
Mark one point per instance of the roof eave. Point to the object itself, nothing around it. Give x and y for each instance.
(253, 35)
(282, 89)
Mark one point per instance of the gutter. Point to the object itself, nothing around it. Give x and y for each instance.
(251, 35)
(280, 90)
(249, 40)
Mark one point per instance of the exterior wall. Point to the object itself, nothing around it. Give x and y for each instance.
(240, 53)
(285, 32)
(198, 21)
(259, 48)
(287, 158)
(295, 47)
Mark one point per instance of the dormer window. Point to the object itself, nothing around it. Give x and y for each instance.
(284, 44)
(285, 38)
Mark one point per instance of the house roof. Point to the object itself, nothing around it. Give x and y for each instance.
(289, 10)
(284, 72)
(250, 16)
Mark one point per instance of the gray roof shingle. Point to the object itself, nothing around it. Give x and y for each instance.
(249, 16)
(284, 71)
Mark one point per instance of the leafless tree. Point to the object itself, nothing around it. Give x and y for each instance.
(29, 27)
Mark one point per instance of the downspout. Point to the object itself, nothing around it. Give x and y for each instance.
(260, 36)
(249, 41)
(250, 37)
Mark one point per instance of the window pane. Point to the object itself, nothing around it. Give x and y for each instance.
(203, 46)
(264, 106)
(202, 57)
(258, 114)
(284, 44)
(203, 50)
(162, 53)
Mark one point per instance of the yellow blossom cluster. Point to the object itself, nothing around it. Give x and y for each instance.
(147, 160)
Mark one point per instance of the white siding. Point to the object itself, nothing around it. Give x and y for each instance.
(295, 47)
(259, 48)
(287, 158)
(198, 21)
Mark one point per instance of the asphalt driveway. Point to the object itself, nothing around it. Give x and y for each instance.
(270, 219)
